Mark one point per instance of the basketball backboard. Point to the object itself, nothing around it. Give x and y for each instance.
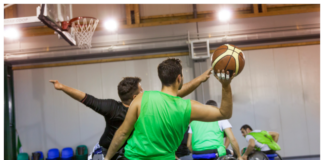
(53, 14)
(59, 18)
(49, 14)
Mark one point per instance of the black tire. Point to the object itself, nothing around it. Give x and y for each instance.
(258, 156)
(279, 156)
(226, 157)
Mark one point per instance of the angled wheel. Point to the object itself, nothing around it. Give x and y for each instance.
(226, 157)
(258, 156)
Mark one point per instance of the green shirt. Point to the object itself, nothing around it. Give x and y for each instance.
(160, 127)
(207, 136)
(264, 137)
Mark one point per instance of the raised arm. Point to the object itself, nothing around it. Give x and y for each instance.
(275, 136)
(193, 84)
(126, 128)
(232, 139)
(74, 93)
(210, 113)
(105, 107)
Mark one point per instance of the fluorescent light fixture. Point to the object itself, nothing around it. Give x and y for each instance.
(224, 15)
(111, 25)
(11, 33)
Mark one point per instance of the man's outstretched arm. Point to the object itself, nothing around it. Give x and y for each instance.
(189, 87)
(210, 113)
(126, 128)
(106, 107)
(74, 93)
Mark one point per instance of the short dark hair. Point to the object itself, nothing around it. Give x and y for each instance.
(211, 102)
(169, 70)
(246, 127)
(127, 88)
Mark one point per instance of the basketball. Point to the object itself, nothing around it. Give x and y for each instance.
(229, 58)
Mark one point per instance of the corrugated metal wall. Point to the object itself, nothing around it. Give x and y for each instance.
(47, 118)
(279, 90)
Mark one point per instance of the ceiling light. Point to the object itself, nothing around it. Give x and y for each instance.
(224, 15)
(111, 25)
(11, 33)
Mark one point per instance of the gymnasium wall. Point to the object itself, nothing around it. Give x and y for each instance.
(279, 90)
(47, 118)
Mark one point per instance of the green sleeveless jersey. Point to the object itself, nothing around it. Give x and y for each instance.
(264, 137)
(207, 136)
(160, 127)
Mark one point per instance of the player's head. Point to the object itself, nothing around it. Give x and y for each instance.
(212, 103)
(245, 129)
(170, 72)
(129, 88)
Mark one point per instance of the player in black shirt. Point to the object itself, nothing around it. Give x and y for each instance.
(114, 111)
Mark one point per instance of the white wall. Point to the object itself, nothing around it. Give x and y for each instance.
(47, 118)
(279, 90)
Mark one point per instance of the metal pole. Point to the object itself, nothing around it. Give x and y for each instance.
(195, 10)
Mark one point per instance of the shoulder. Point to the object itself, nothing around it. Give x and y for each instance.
(248, 137)
(138, 98)
(224, 124)
(225, 121)
(195, 103)
(112, 102)
(256, 131)
(195, 106)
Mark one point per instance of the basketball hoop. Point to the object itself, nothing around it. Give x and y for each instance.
(82, 29)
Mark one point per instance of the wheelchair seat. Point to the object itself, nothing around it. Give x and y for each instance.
(204, 156)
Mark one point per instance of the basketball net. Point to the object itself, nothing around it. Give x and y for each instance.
(82, 30)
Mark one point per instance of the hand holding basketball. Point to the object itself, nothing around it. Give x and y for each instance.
(57, 84)
(223, 78)
(229, 58)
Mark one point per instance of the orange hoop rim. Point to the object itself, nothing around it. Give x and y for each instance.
(67, 24)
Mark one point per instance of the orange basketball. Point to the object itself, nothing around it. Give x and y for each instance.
(228, 57)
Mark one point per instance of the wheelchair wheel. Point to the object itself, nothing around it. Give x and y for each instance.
(258, 156)
(226, 157)
(279, 156)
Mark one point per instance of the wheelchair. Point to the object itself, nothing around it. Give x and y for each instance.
(213, 156)
(258, 155)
